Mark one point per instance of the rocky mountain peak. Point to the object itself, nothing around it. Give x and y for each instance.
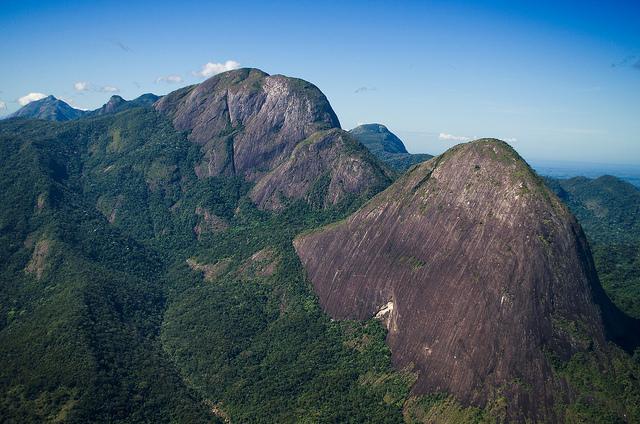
(480, 273)
(386, 146)
(276, 131)
(247, 121)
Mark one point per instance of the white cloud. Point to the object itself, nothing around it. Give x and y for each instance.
(210, 69)
(31, 97)
(109, 89)
(170, 79)
(451, 137)
(364, 89)
(81, 86)
(511, 140)
(3, 105)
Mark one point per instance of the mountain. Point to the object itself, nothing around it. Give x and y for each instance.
(247, 121)
(50, 109)
(137, 289)
(118, 104)
(482, 276)
(386, 146)
(326, 168)
(268, 130)
(148, 273)
(609, 210)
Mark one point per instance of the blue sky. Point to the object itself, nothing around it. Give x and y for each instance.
(558, 80)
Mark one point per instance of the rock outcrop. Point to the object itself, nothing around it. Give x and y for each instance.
(324, 169)
(39, 259)
(480, 273)
(272, 130)
(247, 121)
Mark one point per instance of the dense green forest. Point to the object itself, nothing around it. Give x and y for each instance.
(609, 211)
(103, 319)
(132, 291)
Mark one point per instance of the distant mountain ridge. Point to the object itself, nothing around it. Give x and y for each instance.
(565, 170)
(118, 104)
(50, 109)
(386, 146)
(53, 109)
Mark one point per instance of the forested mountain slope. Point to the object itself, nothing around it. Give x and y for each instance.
(148, 274)
(609, 210)
(134, 290)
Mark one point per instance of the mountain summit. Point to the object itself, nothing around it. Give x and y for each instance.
(276, 131)
(118, 104)
(386, 146)
(378, 138)
(480, 273)
(246, 120)
(49, 108)
(53, 109)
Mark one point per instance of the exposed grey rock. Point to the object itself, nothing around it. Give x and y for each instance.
(326, 167)
(480, 272)
(247, 121)
(276, 131)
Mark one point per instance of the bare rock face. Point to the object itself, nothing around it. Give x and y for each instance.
(262, 263)
(386, 146)
(210, 272)
(277, 132)
(329, 165)
(480, 273)
(246, 120)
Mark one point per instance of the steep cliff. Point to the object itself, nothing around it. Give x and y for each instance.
(274, 131)
(325, 169)
(246, 120)
(480, 273)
